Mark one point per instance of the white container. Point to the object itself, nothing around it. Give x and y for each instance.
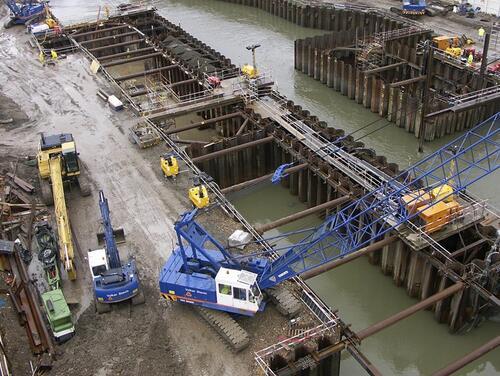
(115, 103)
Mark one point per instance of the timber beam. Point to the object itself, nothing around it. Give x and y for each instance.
(78, 35)
(145, 73)
(204, 122)
(131, 59)
(384, 68)
(408, 82)
(220, 153)
(109, 37)
(302, 214)
(127, 53)
(121, 44)
(248, 183)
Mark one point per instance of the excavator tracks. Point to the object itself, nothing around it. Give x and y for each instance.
(286, 303)
(226, 327)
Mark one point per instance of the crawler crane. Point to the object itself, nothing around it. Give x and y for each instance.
(202, 272)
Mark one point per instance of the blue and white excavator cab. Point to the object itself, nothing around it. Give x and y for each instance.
(113, 281)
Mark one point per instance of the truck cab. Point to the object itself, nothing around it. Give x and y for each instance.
(238, 289)
(112, 285)
(58, 315)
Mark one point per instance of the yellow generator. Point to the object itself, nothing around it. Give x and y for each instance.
(443, 42)
(439, 215)
(433, 216)
(199, 196)
(169, 165)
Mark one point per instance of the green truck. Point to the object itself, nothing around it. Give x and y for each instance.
(58, 314)
(56, 308)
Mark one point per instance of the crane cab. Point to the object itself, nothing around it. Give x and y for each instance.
(169, 165)
(58, 145)
(238, 289)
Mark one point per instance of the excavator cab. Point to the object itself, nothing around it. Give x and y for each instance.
(70, 158)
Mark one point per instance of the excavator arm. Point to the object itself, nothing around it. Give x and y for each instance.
(66, 251)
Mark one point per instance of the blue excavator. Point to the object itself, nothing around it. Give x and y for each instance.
(113, 280)
(422, 200)
(24, 12)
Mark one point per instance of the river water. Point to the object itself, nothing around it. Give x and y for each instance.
(415, 346)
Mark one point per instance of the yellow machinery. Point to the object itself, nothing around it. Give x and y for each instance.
(249, 70)
(169, 165)
(58, 164)
(443, 42)
(433, 216)
(454, 51)
(199, 196)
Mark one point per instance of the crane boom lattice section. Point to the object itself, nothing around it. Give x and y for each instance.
(457, 165)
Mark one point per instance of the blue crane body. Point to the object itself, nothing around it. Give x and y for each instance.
(201, 271)
(414, 7)
(24, 12)
(113, 281)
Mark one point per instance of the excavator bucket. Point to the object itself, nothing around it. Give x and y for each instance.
(118, 233)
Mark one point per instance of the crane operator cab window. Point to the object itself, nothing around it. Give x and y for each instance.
(70, 157)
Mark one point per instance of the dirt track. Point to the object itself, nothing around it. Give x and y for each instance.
(153, 339)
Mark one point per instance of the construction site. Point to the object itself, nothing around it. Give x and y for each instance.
(249, 187)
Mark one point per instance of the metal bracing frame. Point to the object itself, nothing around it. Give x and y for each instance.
(197, 238)
(458, 164)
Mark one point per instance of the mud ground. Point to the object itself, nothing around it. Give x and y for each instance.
(158, 338)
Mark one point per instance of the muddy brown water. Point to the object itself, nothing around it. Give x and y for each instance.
(415, 346)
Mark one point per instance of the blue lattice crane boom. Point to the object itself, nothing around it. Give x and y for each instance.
(202, 272)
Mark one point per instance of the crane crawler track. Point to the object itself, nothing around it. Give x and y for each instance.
(226, 327)
(286, 303)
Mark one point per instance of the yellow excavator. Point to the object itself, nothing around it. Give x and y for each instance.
(58, 164)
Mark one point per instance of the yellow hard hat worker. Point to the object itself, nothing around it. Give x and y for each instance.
(53, 54)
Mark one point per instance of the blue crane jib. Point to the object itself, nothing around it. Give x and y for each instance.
(201, 271)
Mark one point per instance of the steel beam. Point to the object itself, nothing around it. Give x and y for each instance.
(127, 53)
(248, 183)
(131, 59)
(128, 34)
(365, 333)
(384, 68)
(78, 35)
(145, 73)
(338, 262)
(460, 363)
(202, 123)
(302, 214)
(409, 81)
(121, 44)
(220, 153)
